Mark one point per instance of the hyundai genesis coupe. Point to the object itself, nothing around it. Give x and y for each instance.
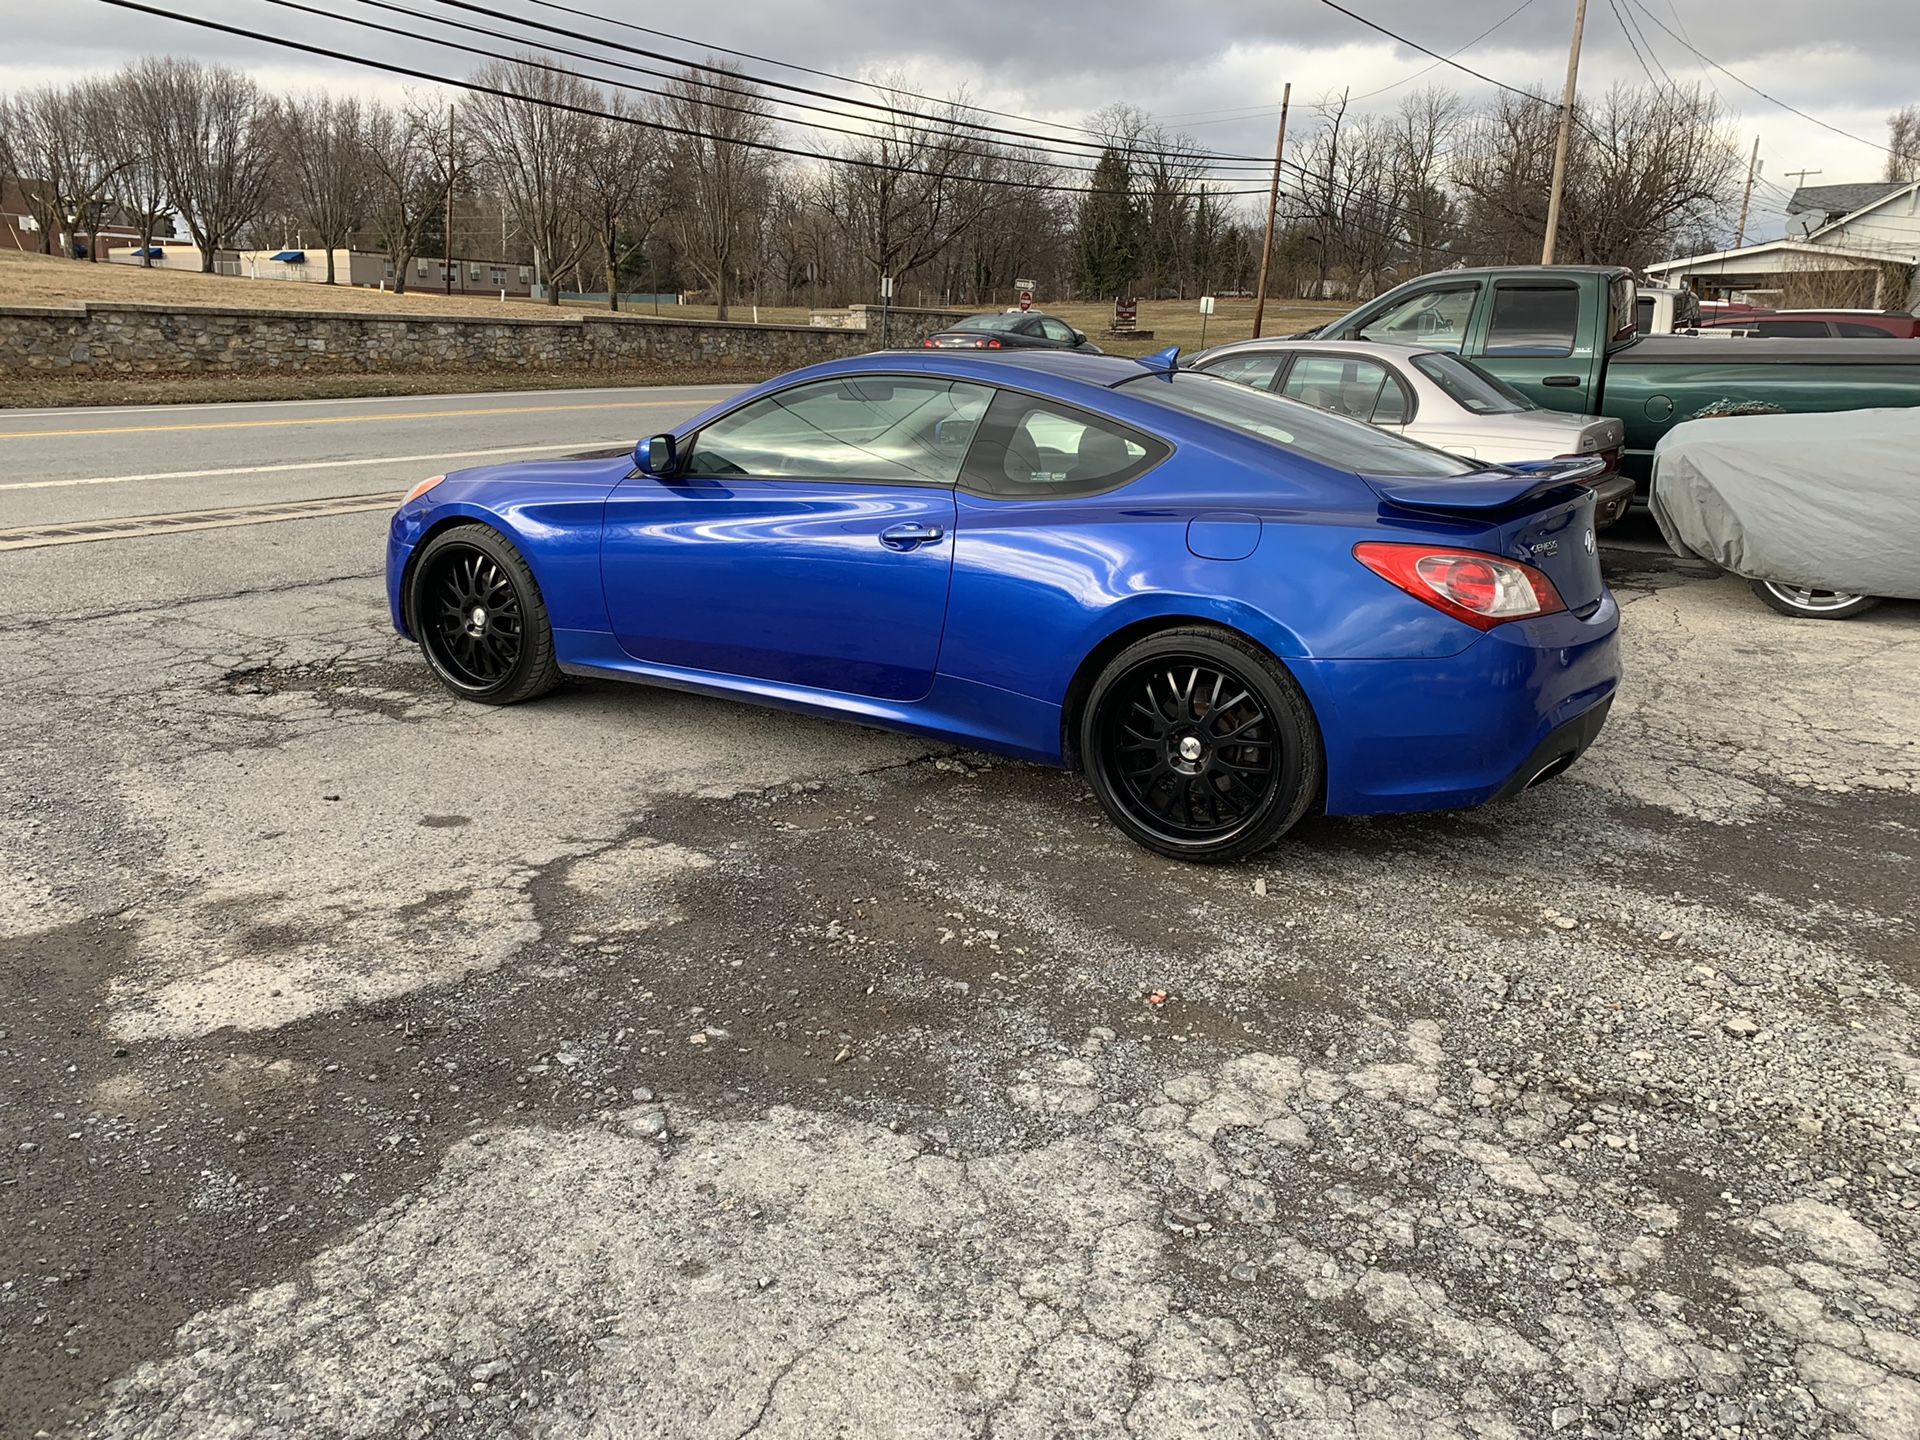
(1222, 606)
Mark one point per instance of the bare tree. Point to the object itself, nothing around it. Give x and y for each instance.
(215, 145)
(1425, 128)
(144, 198)
(1903, 144)
(323, 144)
(65, 161)
(405, 149)
(1354, 194)
(718, 182)
(1649, 171)
(532, 142)
(621, 187)
(910, 189)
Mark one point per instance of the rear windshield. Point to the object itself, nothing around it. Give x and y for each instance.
(1334, 440)
(1470, 387)
(990, 322)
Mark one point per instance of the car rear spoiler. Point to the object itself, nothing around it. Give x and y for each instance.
(1487, 489)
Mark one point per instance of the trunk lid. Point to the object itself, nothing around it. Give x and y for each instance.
(1542, 514)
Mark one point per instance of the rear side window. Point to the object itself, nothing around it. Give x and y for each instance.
(1347, 385)
(1853, 329)
(1537, 320)
(1255, 370)
(1470, 387)
(1031, 447)
(1791, 329)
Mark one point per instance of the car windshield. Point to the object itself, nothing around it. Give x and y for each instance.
(990, 322)
(1470, 387)
(1331, 439)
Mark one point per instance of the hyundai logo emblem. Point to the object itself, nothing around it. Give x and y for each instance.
(1587, 540)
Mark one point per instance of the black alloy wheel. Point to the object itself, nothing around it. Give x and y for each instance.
(480, 619)
(1200, 745)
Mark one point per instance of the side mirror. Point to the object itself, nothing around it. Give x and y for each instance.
(656, 455)
(1079, 337)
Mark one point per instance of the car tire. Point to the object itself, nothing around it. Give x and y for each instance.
(477, 612)
(1200, 745)
(1805, 604)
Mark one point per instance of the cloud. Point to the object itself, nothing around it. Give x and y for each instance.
(1207, 66)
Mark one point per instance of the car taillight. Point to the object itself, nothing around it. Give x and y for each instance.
(1482, 590)
(928, 345)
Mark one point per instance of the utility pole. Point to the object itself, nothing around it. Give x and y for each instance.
(1273, 209)
(1753, 173)
(446, 258)
(1566, 134)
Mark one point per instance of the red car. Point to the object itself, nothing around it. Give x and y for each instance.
(1817, 324)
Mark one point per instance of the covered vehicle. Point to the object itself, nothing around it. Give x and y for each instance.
(1818, 512)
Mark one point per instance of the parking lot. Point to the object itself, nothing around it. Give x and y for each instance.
(632, 1063)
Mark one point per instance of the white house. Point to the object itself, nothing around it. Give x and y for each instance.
(1870, 232)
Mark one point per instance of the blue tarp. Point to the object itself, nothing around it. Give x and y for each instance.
(292, 257)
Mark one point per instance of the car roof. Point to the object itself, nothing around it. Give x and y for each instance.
(1357, 347)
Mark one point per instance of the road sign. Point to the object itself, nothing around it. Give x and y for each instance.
(1206, 304)
(1026, 299)
(886, 287)
(1125, 313)
(1026, 285)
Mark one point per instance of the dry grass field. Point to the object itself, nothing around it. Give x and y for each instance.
(50, 280)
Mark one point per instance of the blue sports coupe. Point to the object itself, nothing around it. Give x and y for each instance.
(1224, 607)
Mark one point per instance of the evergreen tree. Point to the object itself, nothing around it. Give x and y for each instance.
(1109, 240)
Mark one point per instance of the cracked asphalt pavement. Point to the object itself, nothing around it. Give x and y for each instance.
(633, 1064)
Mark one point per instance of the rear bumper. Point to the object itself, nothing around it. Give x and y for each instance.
(1459, 731)
(1612, 498)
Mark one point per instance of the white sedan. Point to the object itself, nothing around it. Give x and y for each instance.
(1429, 396)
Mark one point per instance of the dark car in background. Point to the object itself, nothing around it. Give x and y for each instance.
(1011, 330)
(1817, 324)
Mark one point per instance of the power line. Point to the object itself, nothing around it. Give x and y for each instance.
(803, 69)
(476, 87)
(1774, 99)
(1099, 142)
(1051, 157)
(1442, 59)
(1449, 55)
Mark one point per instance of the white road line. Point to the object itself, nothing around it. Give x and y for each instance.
(299, 465)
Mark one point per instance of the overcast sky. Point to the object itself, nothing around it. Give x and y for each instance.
(1206, 68)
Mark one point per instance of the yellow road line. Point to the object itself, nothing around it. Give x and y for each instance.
(369, 419)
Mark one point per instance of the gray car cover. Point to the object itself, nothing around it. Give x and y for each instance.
(1830, 502)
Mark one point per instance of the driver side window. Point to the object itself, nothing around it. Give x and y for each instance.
(893, 429)
(1436, 319)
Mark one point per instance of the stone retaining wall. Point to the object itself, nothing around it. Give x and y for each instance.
(97, 338)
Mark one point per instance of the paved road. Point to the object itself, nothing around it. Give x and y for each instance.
(628, 1063)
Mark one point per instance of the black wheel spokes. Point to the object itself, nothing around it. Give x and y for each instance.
(477, 629)
(1190, 748)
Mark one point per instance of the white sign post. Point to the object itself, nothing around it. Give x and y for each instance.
(886, 301)
(1206, 309)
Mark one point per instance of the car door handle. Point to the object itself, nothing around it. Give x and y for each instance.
(910, 535)
(1561, 380)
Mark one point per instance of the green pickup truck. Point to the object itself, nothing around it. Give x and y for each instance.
(1565, 336)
